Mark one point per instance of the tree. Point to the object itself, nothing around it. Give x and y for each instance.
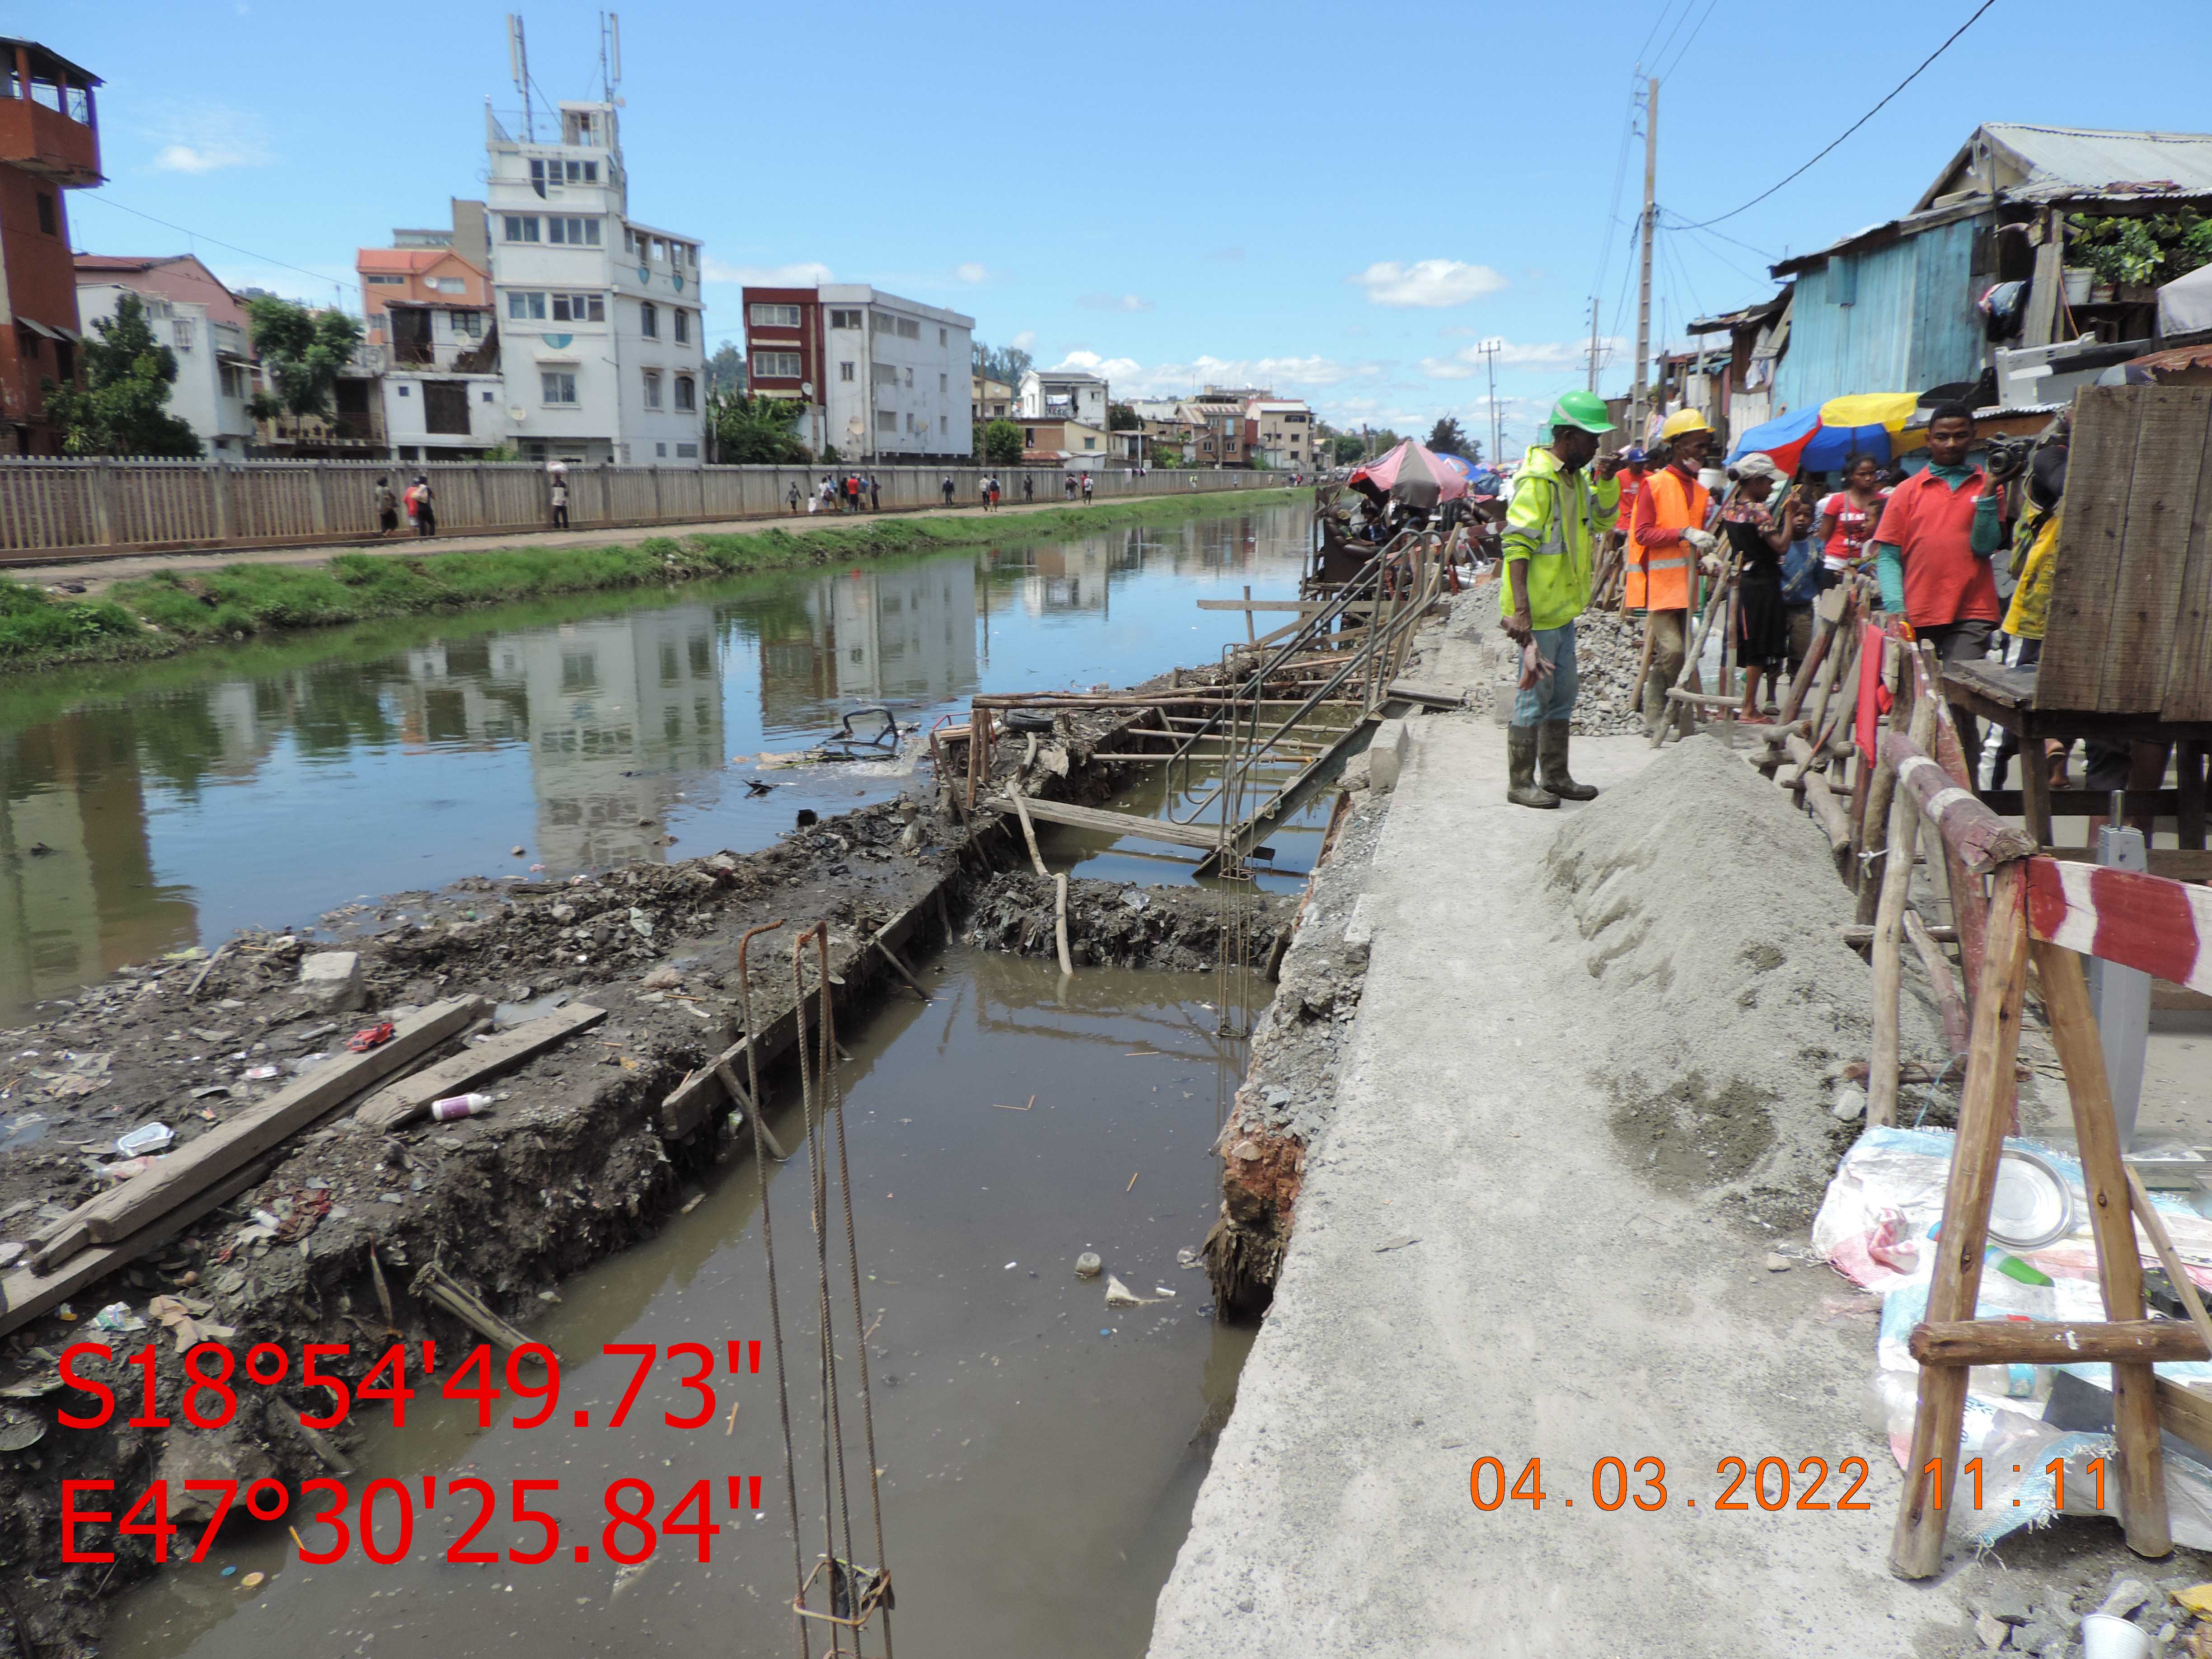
(1349, 446)
(123, 406)
(1003, 444)
(1120, 417)
(761, 431)
(301, 351)
(725, 372)
(1007, 364)
(1446, 438)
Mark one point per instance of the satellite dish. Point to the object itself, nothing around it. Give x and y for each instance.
(854, 429)
(516, 412)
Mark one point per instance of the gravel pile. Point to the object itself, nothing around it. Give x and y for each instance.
(1608, 645)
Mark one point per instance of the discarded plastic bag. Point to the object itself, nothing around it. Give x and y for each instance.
(117, 1316)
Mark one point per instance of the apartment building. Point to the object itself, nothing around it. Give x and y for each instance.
(991, 400)
(1064, 394)
(600, 319)
(881, 377)
(201, 321)
(49, 145)
(430, 328)
(1280, 431)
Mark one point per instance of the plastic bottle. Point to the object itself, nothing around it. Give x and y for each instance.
(453, 1106)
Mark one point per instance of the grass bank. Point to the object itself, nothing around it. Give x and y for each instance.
(174, 610)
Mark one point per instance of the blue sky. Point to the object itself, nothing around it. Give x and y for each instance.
(1241, 192)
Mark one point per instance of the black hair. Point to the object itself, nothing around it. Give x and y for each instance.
(1851, 461)
(1952, 410)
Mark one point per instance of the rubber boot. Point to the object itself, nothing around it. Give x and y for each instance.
(1551, 756)
(1655, 701)
(1521, 765)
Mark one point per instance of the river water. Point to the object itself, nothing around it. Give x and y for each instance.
(267, 784)
(1040, 1451)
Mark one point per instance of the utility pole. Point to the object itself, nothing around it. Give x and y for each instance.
(1490, 349)
(1593, 351)
(1638, 395)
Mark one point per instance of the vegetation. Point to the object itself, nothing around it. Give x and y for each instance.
(2153, 248)
(1120, 417)
(123, 407)
(1446, 438)
(1347, 447)
(763, 431)
(1003, 363)
(159, 615)
(301, 352)
(1002, 444)
(725, 372)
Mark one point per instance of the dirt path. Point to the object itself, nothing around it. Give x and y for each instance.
(97, 574)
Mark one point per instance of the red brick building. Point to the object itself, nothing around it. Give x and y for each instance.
(49, 144)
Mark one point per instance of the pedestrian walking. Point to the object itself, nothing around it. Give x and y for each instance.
(1028, 486)
(387, 507)
(425, 512)
(1668, 533)
(1565, 500)
(1086, 486)
(1758, 539)
(948, 490)
(791, 497)
(1067, 484)
(560, 501)
(875, 494)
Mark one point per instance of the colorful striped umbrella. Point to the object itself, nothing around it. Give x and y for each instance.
(1413, 475)
(1822, 440)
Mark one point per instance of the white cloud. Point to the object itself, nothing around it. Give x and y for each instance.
(1427, 283)
(1024, 340)
(1114, 302)
(206, 138)
(1133, 378)
(971, 272)
(802, 274)
(1467, 361)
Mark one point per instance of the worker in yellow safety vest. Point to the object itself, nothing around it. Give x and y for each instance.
(1561, 514)
(1667, 532)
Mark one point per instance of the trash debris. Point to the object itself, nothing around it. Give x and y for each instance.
(1088, 1266)
(459, 1106)
(253, 1580)
(263, 1074)
(1187, 1258)
(371, 1036)
(1398, 1244)
(20, 1430)
(1119, 1295)
(2107, 1636)
(148, 1138)
(117, 1316)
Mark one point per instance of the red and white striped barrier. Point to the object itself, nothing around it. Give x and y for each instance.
(2162, 928)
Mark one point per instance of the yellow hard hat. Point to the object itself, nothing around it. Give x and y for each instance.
(1684, 420)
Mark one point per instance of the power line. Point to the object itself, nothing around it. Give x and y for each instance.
(1674, 62)
(1762, 253)
(105, 200)
(1855, 125)
(1643, 50)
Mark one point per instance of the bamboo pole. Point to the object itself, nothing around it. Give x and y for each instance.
(1060, 922)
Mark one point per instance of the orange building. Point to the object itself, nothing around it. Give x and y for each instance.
(402, 287)
(49, 144)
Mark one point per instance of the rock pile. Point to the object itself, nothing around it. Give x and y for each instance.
(1608, 645)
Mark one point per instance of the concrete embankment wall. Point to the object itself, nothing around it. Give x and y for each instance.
(56, 506)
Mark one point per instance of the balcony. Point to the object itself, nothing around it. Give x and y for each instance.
(47, 123)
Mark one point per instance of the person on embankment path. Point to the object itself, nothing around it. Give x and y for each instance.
(1561, 514)
(1667, 532)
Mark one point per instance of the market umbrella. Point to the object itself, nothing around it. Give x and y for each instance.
(1822, 440)
(1411, 475)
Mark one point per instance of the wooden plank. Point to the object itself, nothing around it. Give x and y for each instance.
(118, 1214)
(2007, 1341)
(2174, 863)
(1120, 824)
(1983, 839)
(399, 1102)
(2163, 928)
(2187, 693)
(2185, 1414)
(2111, 1225)
(29, 1292)
(1916, 1546)
(2092, 537)
(2170, 450)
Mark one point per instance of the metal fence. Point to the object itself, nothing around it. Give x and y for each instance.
(53, 505)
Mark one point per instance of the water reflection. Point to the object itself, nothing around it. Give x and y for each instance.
(264, 785)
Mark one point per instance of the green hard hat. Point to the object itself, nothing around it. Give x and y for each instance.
(1584, 409)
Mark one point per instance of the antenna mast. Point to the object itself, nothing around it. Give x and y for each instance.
(610, 53)
(518, 61)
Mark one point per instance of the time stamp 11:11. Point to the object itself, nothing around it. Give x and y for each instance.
(1770, 1484)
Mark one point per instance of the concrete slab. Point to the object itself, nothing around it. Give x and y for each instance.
(1552, 1305)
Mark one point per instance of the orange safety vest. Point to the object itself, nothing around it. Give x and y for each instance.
(1659, 577)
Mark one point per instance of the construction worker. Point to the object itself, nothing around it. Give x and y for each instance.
(1559, 518)
(1667, 532)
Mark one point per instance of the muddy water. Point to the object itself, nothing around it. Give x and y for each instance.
(149, 810)
(1041, 1452)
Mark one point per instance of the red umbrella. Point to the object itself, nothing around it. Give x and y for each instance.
(1411, 475)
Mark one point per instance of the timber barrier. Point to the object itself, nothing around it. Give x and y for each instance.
(53, 507)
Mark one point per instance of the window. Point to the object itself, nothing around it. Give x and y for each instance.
(525, 307)
(46, 213)
(539, 171)
(580, 308)
(235, 383)
(629, 240)
(648, 319)
(908, 329)
(687, 452)
(385, 281)
(884, 374)
(653, 388)
(470, 324)
(683, 326)
(687, 392)
(943, 423)
(768, 316)
(845, 372)
(775, 365)
(405, 388)
(909, 380)
(1091, 443)
(488, 396)
(657, 251)
(182, 329)
(887, 420)
(941, 338)
(660, 449)
(576, 233)
(521, 227)
(942, 386)
(583, 173)
(844, 318)
(557, 388)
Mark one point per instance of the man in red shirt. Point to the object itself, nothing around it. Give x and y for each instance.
(1932, 550)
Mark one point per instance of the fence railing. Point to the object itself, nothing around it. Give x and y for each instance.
(58, 506)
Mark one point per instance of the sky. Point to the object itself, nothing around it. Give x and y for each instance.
(1341, 205)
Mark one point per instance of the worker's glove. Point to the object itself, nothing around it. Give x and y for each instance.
(1710, 565)
(1701, 539)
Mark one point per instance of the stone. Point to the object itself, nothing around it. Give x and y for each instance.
(1356, 775)
(1992, 1631)
(2126, 1595)
(331, 980)
(1777, 1262)
(1386, 755)
(1088, 1266)
(2038, 1635)
(663, 978)
(1851, 1102)
(2009, 1603)
(210, 1458)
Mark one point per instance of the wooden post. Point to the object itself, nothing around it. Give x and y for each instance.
(1875, 837)
(317, 500)
(2189, 759)
(2119, 1264)
(1969, 909)
(1937, 966)
(218, 477)
(103, 503)
(1888, 928)
(1060, 922)
(1916, 1546)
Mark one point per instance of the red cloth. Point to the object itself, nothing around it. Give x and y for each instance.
(1873, 696)
(1931, 525)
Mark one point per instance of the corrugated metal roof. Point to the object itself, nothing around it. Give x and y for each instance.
(2063, 162)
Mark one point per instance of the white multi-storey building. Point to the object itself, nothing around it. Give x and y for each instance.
(599, 317)
(190, 312)
(882, 378)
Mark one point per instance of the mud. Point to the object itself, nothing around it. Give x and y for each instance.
(1116, 924)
